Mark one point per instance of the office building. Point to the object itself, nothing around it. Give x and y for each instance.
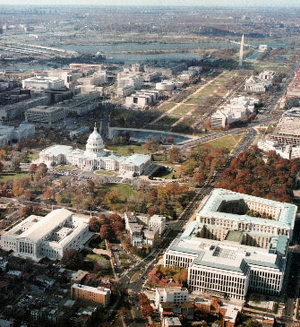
(171, 294)
(17, 110)
(158, 222)
(237, 243)
(10, 134)
(40, 83)
(142, 99)
(37, 237)
(99, 295)
(44, 115)
(238, 109)
(293, 89)
(287, 131)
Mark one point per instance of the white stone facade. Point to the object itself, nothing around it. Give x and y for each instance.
(50, 236)
(158, 222)
(41, 83)
(95, 157)
(142, 99)
(171, 294)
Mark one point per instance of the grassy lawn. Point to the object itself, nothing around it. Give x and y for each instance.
(65, 167)
(93, 258)
(135, 276)
(166, 106)
(103, 172)
(125, 190)
(228, 141)
(33, 155)
(184, 109)
(194, 101)
(123, 150)
(170, 175)
(168, 120)
(158, 157)
(6, 178)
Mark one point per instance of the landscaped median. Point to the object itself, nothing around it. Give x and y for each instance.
(135, 276)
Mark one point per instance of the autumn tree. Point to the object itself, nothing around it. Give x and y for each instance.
(41, 170)
(15, 165)
(112, 197)
(3, 155)
(26, 211)
(94, 224)
(90, 186)
(105, 231)
(19, 186)
(253, 323)
(103, 219)
(32, 170)
(147, 310)
(143, 299)
(48, 195)
(175, 154)
(72, 259)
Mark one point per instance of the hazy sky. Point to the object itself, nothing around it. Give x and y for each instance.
(272, 3)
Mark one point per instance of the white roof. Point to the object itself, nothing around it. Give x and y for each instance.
(44, 226)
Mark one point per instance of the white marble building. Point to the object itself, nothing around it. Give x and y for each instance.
(95, 157)
(50, 236)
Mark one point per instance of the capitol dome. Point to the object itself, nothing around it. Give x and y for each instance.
(94, 145)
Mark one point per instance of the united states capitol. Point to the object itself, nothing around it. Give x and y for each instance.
(95, 157)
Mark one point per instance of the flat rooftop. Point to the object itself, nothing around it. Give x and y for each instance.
(98, 290)
(226, 255)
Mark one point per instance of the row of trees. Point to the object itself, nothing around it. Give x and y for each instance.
(147, 309)
(168, 199)
(202, 162)
(249, 173)
(27, 187)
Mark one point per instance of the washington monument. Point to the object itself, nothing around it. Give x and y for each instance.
(241, 52)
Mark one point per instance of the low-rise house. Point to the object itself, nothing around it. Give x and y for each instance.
(151, 236)
(140, 235)
(228, 312)
(184, 310)
(79, 276)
